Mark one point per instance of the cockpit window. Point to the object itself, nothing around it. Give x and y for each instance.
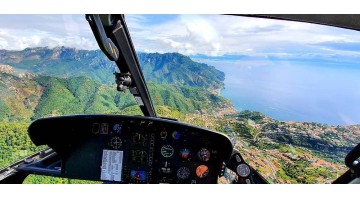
(291, 88)
(285, 93)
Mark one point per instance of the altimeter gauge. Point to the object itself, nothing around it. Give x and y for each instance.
(183, 173)
(204, 154)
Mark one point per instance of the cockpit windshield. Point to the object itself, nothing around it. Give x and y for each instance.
(286, 93)
(293, 87)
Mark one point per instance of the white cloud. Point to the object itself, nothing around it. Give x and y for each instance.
(200, 29)
(216, 35)
(171, 42)
(36, 39)
(212, 35)
(21, 31)
(11, 40)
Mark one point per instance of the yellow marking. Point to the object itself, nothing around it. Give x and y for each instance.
(115, 53)
(113, 50)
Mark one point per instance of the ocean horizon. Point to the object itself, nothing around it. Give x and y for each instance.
(327, 93)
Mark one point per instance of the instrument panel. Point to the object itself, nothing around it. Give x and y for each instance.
(133, 149)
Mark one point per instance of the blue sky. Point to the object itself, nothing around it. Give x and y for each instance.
(194, 35)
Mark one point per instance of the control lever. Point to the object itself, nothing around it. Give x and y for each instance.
(122, 80)
(245, 173)
(352, 161)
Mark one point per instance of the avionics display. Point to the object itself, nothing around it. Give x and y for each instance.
(153, 150)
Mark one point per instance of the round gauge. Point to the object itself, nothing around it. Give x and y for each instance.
(176, 135)
(204, 154)
(183, 173)
(139, 139)
(117, 128)
(115, 142)
(185, 153)
(167, 151)
(202, 171)
(243, 170)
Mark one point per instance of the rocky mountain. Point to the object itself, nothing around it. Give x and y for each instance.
(174, 68)
(65, 62)
(6, 69)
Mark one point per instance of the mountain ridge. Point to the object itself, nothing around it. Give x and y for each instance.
(169, 68)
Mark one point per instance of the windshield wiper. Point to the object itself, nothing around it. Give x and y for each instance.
(114, 40)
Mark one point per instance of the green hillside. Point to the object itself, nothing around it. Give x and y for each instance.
(186, 99)
(15, 143)
(28, 98)
(174, 68)
(18, 97)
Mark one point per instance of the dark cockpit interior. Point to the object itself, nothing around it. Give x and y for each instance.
(125, 149)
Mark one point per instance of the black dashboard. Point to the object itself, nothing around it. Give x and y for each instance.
(133, 149)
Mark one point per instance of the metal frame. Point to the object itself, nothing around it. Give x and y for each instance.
(114, 40)
(41, 163)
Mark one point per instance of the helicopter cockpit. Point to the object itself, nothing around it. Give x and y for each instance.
(134, 149)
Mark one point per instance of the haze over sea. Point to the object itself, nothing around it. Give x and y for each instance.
(321, 91)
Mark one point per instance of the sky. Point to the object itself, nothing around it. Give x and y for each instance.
(214, 35)
(193, 35)
(21, 31)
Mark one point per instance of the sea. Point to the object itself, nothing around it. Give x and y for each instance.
(311, 91)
